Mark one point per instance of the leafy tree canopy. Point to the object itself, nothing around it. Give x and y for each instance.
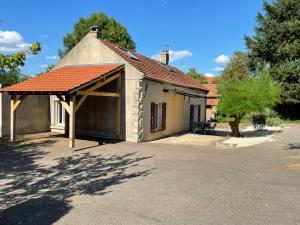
(237, 68)
(110, 30)
(9, 65)
(277, 43)
(49, 67)
(193, 73)
(12, 62)
(12, 77)
(240, 97)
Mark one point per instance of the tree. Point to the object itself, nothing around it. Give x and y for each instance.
(9, 64)
(12, 77)
(237, 68)
(110, 30)
(49, 67)
(239, 97)
(276, 43)
(193, 73)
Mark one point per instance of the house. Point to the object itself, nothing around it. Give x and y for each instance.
(212, 98)
(99, 89)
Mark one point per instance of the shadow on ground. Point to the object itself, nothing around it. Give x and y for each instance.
(32, 193)
(252, 133)
(294, 146)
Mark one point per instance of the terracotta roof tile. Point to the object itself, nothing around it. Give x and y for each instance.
(63, 79)
(155, 70)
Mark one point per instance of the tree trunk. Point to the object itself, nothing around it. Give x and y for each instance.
(234, 125)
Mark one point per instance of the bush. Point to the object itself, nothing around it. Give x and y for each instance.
(273, 119)
(270, 113)
(274, 122)
(258, 120)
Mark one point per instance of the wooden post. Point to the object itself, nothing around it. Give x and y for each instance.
(72, 121)
(13, 99)
(118, 109)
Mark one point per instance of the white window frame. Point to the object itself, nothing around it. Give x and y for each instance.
(59, 111)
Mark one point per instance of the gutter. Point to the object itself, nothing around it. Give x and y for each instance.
(184, 86)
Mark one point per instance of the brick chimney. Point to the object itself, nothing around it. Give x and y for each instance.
(164, 57)
(95, 31)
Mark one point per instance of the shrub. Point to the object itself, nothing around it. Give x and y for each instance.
(270, 113)
(274, 122)
(272, 117)
(258, 120)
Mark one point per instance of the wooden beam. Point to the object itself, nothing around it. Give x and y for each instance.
(118, 109)
(96, 93)
(72, 121)
(64, 103)
(81, 101)
(101, 83)
(90, 90)
(13, 100)
(18, 102)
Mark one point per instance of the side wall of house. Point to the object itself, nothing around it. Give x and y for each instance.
(32, 115)
(177, 111)
(92, 51)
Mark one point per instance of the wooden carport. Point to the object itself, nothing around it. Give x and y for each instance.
(67, 83)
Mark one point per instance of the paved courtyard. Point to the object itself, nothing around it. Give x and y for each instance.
(43, 182)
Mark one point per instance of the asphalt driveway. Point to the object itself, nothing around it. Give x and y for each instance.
(42, 182)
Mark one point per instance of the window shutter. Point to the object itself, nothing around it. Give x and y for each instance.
(199, 113)
(152, 117)
(164, 116)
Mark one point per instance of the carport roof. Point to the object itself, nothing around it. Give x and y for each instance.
(64, 79)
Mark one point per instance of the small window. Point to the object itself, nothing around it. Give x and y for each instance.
(129, 54)
(158, 117)
(59, 113)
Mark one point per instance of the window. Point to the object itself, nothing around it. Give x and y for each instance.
(129, 54)
(59, 113)
(158, 116)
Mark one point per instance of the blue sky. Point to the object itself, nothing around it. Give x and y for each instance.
(201, 34)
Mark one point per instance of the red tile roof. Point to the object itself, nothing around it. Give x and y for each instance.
(64, 79)
(212, 92)
(155, 70)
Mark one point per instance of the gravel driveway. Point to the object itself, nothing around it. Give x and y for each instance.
(43, 182)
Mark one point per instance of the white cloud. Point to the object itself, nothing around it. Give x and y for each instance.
(175, 55)
(10, 37)
(209, 75)
(16, 48)
(44, 65)
(218, 69)
(54, 57)
(222, 59)
(12, 41)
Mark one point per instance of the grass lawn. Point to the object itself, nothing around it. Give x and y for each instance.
(290, 121)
